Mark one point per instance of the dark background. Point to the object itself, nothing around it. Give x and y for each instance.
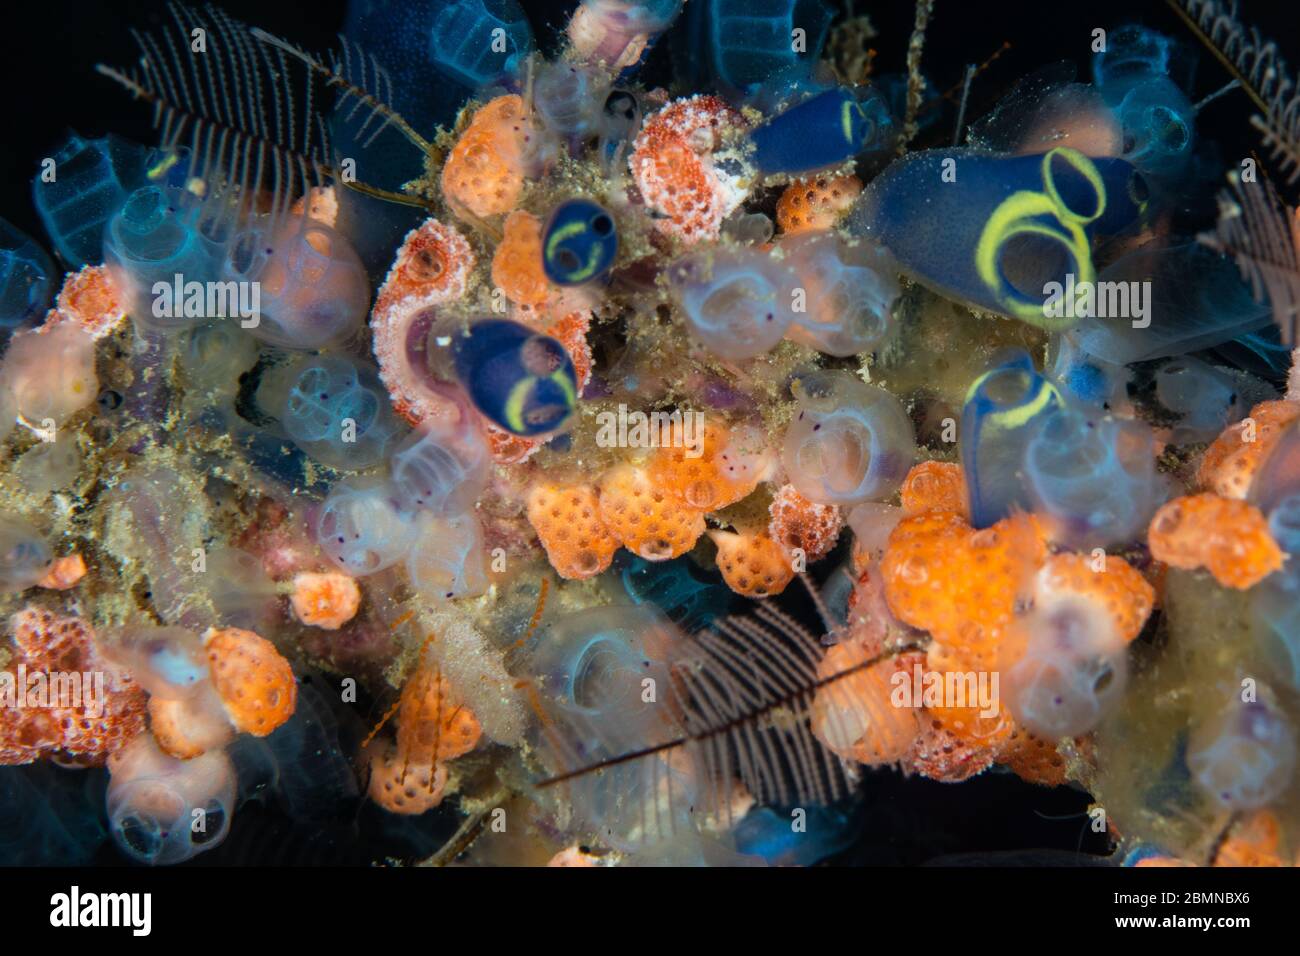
(47, 53)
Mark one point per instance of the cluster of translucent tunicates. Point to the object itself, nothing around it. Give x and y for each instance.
(846, 294)
(338, 412)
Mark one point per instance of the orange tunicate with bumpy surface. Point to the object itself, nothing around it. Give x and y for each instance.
(752, 563)
(941, 755)
(484, 173)
(645, 517)
(800, 525)
(1227, 537)
(812, 205)
(90, 299)
(517, 263)
(726, 469)
(934, 486)
(1232, 460)
(924, 557)
(855, 716)
(433, 725)
(405, 788)
(327, 600)
(254, 681)
(1032, 759)
(1127, 596)
(567, 522)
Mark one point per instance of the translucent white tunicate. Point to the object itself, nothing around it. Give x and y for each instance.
(162, 810)
(363, 528)
(848, 293)
(441, 469)
(737, 303)
(24, 554)
(1244, 756)
(448, 560)
(849, 442)
(47, 466)
(168, 662)
(1073, 671)
(51, 375)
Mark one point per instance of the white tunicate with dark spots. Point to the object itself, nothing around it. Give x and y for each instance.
(363, 528)
(1244, 756)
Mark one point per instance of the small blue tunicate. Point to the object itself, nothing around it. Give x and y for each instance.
(520, 379)
(479, 42)
(579, 243)
(742, 44)
(27, 278)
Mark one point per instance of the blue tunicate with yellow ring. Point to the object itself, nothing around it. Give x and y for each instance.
(521, 380)
(1000, 232)
(822, 131)
(580, 243)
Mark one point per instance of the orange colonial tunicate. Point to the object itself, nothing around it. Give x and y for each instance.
(645, 517)
(567, 522)
(433, 725)
(326, 600)
(802, 526)
(1255, 840)
(941, 755)
(934, 486)
(517, 263)
(254, 681)
(811, 205)
(984, 726)
(752, 563)
(1111, 581)
(188, 727)
(1231, 461)
(405, 788)
(484, 173)
(723, 469)
(1032, 759)
(855, 716)
(1229, 538)
(89, 299)
(64, 573)
(672, 165)
(923, 559)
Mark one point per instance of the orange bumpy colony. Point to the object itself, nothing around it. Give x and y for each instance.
(484, 173)
(254, 681)
(752, 563)
(1231, 461)
(645, 517)
(326, 599)
(517, 262)
(1111, 581)
(1227, 537)
(934, 486)
(401, 787)
(811, 205)
(856, 716)
(567, 522)
(90, 299)
(718, 476)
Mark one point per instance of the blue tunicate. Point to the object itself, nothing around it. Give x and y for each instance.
(1009, 234)
(25, 555)
(849, 442)
(1004, 408)
(27, 278)
(89, 181)
(1157, 123)
(1205, 397)
(1086, 378)
(523, 381)
(1131, 52)
(1193, 298)
(363, 528)
(1275, 601)
(747, 43)
(338, 412)
(767, 832)
(480, 42)
(159, 233)
(822, 131)
(579, 243)
(1284, 524)
(1074, 669)
(737, 302)
(848, 293)
(675, 589)
(1092, 477)
(311, 288)
(1244, 756)
(440, 469)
